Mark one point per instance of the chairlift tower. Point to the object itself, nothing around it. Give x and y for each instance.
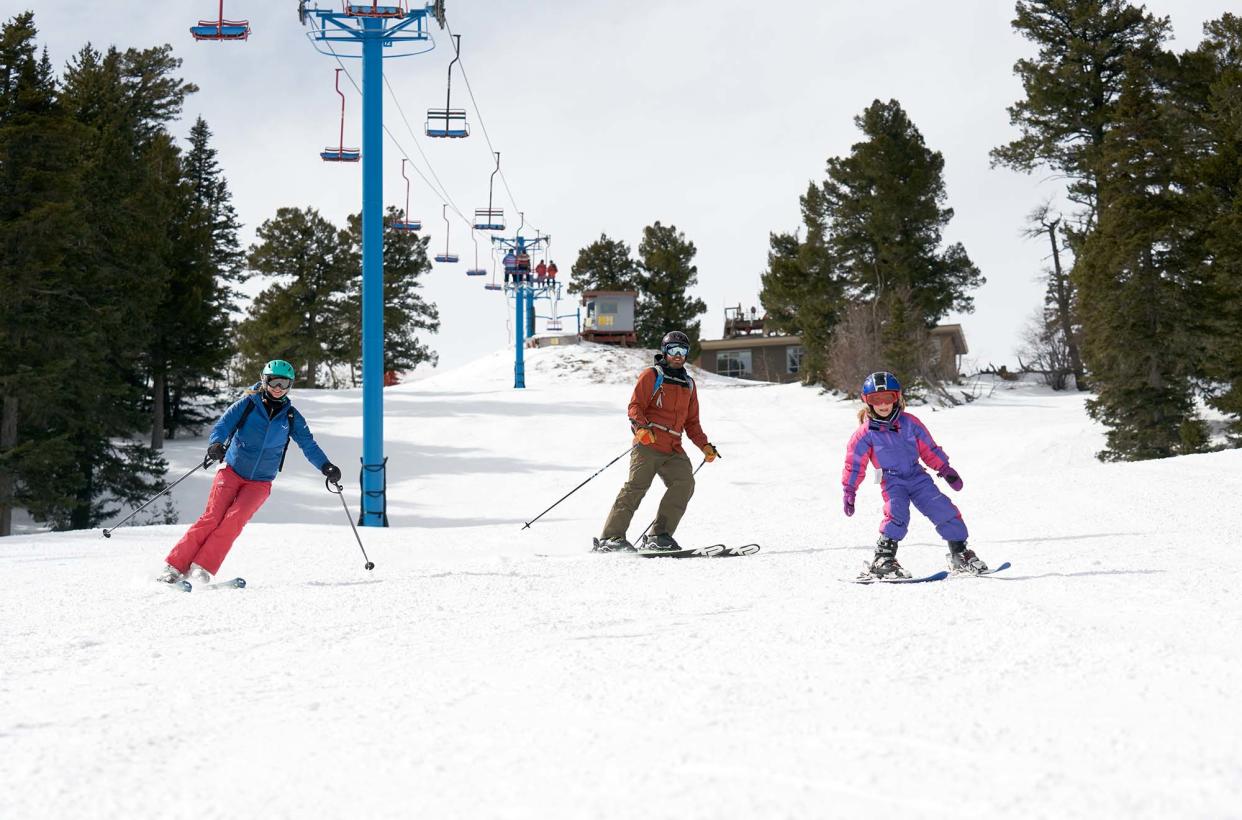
(371, 31)
(524, 294)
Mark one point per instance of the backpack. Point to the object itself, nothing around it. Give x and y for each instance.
(660, 380)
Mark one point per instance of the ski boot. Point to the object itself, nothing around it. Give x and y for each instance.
(964, 560)
(170, 575)
(611, 545)
(198, 575)
(659, 543)
(885, 565)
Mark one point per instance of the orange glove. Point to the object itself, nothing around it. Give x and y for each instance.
(710, 453)
(644, 435)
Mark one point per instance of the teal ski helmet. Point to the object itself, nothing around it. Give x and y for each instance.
(279, 368)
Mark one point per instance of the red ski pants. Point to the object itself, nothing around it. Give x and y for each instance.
(232, 502)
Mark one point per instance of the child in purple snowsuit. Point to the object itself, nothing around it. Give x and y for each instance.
(894, 442)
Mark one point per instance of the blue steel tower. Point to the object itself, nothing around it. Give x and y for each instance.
(378, 31)
(525, 292)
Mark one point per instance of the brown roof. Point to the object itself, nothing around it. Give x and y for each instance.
(745, 342)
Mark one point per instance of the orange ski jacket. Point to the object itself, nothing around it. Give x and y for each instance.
(671, 405)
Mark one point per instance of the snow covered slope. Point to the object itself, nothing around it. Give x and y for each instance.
(483, 670)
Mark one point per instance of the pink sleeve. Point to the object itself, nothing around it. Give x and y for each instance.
(931, 453)
(856, 454)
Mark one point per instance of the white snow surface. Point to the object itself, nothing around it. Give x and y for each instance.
(486, 671)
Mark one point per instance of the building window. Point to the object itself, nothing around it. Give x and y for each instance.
(607, 307)
(793, 359)
(735, 363)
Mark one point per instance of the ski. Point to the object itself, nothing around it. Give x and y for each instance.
(867, 578)
(993, 571)
(176, 586)
(712, 551)
(232, 583)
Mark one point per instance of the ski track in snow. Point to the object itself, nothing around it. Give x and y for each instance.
(470, 676)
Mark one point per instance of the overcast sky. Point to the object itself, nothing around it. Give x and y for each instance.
(711, 115)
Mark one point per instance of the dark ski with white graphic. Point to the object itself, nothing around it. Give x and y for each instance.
(712, 551)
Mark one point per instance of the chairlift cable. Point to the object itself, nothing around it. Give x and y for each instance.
(486, 137)
(441, 193)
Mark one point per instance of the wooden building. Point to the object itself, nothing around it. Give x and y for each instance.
(609, 317)
(760, 358)
(747, 351)
(948, 348)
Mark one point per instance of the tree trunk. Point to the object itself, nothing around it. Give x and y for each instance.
(157, 410)
(1065, 308)
(8, 440)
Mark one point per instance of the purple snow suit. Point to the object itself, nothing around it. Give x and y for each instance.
(895, 445)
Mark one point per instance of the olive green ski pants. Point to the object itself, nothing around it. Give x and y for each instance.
(645, 464)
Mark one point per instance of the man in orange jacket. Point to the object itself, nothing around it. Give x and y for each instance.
(664, 405)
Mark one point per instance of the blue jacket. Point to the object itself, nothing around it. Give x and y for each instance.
(259, 444)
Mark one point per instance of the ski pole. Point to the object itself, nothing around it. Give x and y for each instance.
(696, 472)
(340, 493)
(107, 533)
(580, 486)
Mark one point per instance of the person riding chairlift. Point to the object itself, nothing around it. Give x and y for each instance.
(510, 263)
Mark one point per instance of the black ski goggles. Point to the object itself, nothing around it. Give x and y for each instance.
(677, 350)
(278, 382)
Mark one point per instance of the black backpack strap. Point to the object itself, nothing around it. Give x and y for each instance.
(245, 412)
(285, 452)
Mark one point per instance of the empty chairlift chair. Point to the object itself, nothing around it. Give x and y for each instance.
(448, 122)
(489, 218)
(340, 153)
(406, 224)
(450, 258)
(476, 270)
(492, 285)
(221, 29)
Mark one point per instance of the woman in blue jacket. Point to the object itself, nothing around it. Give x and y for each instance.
(251, 438)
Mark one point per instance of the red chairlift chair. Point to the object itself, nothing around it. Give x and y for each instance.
(340, 153)
(374, 9)
(221, 29)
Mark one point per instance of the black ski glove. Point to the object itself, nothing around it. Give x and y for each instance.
(215, 452)
(332, 472)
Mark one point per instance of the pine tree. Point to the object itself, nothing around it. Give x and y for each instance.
(130, 173)
(801, 293)
(883, 206)
(406, 313)
(194, 330)
(294, 318)
(1072, 89)
(667, 273)
(1073, 85)
(605, 264)
(39, 182)
(1141, 295)
(1212, 88)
